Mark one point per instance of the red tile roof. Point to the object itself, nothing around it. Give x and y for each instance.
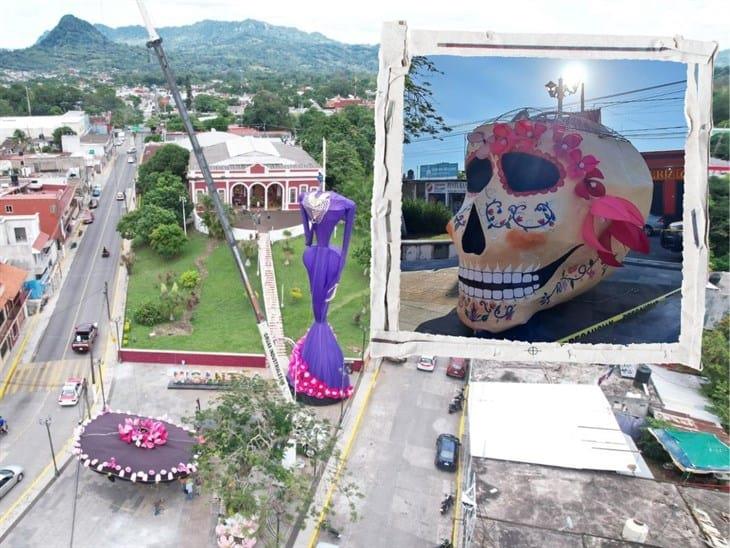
(11, 282)
(41, 241)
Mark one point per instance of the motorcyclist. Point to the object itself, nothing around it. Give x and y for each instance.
(3, 425)
(104, 252)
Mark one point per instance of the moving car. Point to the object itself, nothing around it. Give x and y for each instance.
(426, 363)
(447, 452)
(130, 160)
(87, 218)
(96, 192)
(457, 368)
(93, 203)
(84, 336)
(673, 238)
(71, 392)
(9, 476)
(131, 150)
(120, 196)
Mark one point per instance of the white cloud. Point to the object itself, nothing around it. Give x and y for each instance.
(360, 22)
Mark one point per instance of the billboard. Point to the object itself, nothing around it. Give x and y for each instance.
(442, 170)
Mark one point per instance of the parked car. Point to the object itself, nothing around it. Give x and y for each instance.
(447, 452)
(96, 192)
(93, 203)
(120, 196)
(457, 368)
(426, 363)
(87, 218)
(9, 476)
(654, 224)
(70, 392)
(673, 237)
(84, 336)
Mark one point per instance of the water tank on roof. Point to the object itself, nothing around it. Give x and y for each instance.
(35, 185)
(643, 373)
(635, 531)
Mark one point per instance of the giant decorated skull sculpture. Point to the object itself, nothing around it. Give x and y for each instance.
(551, 207)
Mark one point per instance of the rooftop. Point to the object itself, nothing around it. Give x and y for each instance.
(543, 506)
(11, 281)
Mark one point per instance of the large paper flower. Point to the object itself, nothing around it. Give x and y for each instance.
(502, 139)
(626, 226)
(527, 134)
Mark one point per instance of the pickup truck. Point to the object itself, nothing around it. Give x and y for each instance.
(84, 336)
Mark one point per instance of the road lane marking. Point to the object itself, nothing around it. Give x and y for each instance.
(457, 506)
(343, 458)
(21, 349)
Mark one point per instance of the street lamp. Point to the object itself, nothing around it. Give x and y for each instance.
(569, 85)
(47, 422)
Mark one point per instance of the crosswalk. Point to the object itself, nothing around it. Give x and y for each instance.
(46, 376)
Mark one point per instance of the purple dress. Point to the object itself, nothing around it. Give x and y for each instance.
(320, 373)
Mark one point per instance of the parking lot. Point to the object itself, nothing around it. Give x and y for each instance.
(392, 461)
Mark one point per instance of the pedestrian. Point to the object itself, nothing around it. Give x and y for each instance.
(197, 403)
(189, 489)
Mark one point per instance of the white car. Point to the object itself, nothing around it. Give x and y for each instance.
(130, 160)
(71, 392)
(426, 363)
(120, 196)
(9, 476)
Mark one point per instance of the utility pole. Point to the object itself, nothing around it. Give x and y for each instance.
(101, 381)
(324, 163)
(106, 297)
(27, 98)
(91, 364)
(47, 423)
(85, 388)
(183, 199)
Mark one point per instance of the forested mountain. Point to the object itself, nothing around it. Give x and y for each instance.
(205, 48)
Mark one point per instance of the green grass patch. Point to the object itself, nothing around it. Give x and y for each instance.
(352, 294)
(223, 320)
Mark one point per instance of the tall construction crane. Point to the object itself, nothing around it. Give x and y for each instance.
(273, 359)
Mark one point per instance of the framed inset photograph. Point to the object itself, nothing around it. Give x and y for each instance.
(541, 198)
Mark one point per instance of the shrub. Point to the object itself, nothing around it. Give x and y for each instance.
(425, 218)
(190, 279)
(296, 293)
(168, 240)
(149, 313)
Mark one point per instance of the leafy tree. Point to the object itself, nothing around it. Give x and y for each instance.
(719, 207)
(20, 138)
(716, 367)
(245, 435)
(219, 123)
(175, 123)
(168, 240)
(135, 100)
(138, 225)
(59, 132)
(170, 157)
(153, 139)
(188, 93)
(208, 103)
(166, 192)
(209, 216)
(55, 110)
(419, 115)
(343, 164)
(267, 110)
(149, 313)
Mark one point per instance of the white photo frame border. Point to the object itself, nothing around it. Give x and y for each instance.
(398, 45)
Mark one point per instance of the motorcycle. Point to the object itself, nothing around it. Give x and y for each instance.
(446, 543)
(331, 530)
(447, 503)
(105, 252)
(455, 406)
(3, 426)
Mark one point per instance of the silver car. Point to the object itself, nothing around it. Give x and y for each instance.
(9, 476)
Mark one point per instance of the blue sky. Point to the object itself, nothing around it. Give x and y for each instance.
(474, 89)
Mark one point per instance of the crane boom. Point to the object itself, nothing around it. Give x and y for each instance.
(274, 361)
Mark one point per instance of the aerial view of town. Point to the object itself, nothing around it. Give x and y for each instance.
(189, 235)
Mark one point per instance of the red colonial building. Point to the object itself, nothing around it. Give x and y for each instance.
(667, 172)
(253, 173)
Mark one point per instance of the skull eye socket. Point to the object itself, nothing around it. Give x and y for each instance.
(528, 173)
(478, 174)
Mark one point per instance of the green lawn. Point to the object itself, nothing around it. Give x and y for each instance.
(352, 293)
(223, 320)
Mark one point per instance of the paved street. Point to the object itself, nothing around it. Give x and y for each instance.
(31, 394)
(122, 510)
(392, 461)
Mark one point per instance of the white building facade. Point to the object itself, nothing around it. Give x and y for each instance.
(36, 126)
(23, 244)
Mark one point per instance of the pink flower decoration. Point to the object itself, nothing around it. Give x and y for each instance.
(579, 165)
(502, 139)
(564, 144)
(527, 134)
(626, 226)
(127, 469)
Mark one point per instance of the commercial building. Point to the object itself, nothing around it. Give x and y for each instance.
(12, 307)
(37, 126)
(253, 173)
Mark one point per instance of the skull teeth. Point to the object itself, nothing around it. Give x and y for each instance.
(512, 283)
